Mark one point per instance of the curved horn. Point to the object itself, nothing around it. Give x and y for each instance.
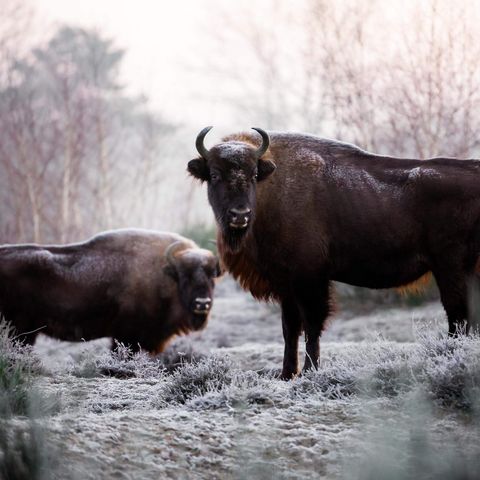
(199, 143)
(171, 250)
(265, 141)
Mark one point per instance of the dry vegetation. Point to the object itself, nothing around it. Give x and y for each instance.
(379, 407)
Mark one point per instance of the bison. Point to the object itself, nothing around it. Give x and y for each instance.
(138, 287)
(296, 211)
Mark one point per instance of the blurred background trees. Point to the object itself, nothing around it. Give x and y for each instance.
(399, 78)
(76, 151)
(79, 152)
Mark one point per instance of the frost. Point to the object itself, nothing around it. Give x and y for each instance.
(229, 150)
(212, 406)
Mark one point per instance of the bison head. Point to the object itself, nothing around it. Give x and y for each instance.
(232, 170)
(194, 270)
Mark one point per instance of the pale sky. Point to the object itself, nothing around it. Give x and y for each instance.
(170, 44)
(163, 40)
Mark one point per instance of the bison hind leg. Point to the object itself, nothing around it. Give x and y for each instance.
(453, 287)
(474, 301)
(316, 304)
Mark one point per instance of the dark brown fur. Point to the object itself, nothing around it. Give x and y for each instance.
(118, 284)
(331, 211)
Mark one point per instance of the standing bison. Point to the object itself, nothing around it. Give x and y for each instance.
(139, 287)
(296, 211)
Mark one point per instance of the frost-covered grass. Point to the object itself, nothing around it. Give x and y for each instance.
(212, 405)
(18, 367)
(122, 363)
(23, 452)
(445, 369)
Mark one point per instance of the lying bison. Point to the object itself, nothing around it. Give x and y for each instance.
(296, 211)
(138, 287)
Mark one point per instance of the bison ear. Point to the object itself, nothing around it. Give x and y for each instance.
(198, 169)
(171, 271)
(265, 169)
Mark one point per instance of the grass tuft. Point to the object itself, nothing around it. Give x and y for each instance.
(123, 363)
(18, 367)
(447, 369)
(197, 379)
(23, 449)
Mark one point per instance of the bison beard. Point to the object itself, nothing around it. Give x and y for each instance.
(233, 238)
(333, 212)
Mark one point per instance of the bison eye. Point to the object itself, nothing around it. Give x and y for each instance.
(214, 177)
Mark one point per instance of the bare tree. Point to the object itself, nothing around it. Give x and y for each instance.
(78, 154)
(431, 91)
(406, 85)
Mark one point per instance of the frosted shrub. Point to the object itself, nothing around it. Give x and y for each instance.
(447, 369)
(181, 351)
(196, 379)
(123, 363)
(330, 382)
(451, 369)
(120, 363)
(18, 366)
(23, 452)
(241, 390)
(377, 369)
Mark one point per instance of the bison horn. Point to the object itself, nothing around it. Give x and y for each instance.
(172, 249)
(265, 142)
(199, 143)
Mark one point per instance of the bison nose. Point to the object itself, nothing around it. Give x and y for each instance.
(203, 305)
(239, 217)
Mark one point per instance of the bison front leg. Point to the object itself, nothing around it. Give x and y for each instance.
(291, 324)
(315, 307)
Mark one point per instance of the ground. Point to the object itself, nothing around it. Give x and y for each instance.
(394, 397)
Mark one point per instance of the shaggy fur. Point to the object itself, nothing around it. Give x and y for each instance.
(118, 284)
(331, 211)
